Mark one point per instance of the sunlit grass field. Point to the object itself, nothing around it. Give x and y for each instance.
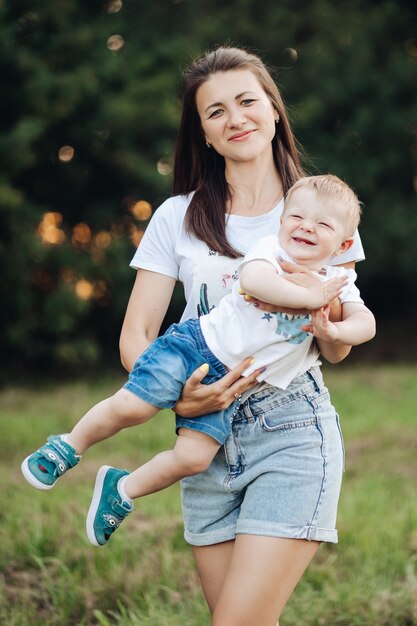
(51, 575)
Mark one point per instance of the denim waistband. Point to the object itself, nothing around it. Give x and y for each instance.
(269, 396)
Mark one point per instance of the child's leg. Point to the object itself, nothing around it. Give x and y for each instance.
(108, 417)
(62, 452)
(192, 454)
(115, 489)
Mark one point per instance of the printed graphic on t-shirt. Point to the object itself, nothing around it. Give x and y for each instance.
(213, 277)
(203, 307)
(289, 326)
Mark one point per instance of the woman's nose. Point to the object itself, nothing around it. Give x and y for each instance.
(236, 118)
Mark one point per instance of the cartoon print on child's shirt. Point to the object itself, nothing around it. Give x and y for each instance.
(289, 326)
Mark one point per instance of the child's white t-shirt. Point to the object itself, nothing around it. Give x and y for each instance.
(236, 329)
(207, 276)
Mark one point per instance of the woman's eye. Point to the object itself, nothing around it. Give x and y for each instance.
(215, 113)
(247, 101)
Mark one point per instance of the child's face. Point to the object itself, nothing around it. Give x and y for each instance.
(313, 229)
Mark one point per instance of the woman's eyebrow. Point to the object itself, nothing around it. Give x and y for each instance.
(239, 95)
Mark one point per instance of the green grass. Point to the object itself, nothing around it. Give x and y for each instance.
(50, 575)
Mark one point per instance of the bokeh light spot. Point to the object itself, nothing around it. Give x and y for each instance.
(84, 289)
(115, 43)
(141, 210)
(114, 6)
(48, 229)
(290, 54)
(135, 235)
(102, 240)
(81, 234)
(66, 154)
(163, 168)
(100, 289)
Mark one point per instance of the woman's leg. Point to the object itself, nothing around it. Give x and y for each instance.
(213, 563)
(261, 576)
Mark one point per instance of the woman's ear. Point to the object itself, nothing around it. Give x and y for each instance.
(344, 246)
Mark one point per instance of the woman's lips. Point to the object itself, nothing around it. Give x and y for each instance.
(241, 136)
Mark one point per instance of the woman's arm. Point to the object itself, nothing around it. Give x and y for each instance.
(148, 303)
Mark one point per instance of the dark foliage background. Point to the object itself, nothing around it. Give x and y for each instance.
(88, 117)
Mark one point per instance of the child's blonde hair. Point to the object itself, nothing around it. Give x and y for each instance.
(337, 190)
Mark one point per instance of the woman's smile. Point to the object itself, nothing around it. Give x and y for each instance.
(241, 136)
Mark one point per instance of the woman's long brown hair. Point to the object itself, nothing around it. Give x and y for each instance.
(202, 170)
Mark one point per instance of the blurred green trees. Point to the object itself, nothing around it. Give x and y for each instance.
(89, 111)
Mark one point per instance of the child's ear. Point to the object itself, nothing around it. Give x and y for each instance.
(344, 246)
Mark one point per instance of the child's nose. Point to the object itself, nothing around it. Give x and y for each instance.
(307, 225)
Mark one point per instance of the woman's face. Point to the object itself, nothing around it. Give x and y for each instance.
(237, 117)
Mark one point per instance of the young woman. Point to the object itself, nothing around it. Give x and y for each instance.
(256, 517)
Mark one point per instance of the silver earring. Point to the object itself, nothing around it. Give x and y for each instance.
(208, 144)
(277, 119)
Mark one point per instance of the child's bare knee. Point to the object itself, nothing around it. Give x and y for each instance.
(194, 456)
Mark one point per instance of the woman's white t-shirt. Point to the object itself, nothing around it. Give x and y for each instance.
(207, 276)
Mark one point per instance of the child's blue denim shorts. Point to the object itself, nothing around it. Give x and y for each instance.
(159, 374)
(279, 473)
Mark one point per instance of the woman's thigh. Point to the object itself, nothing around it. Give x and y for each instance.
(213, 563)
(261, 576)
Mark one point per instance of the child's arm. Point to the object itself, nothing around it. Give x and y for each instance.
(357, 326)
(261, 280)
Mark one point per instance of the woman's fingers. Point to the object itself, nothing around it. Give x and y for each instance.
(259, 304)
(272, 308)
(236, 372)
(194, 381)
(198, 398)
(235, 384)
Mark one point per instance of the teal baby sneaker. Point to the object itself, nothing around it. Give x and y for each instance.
(43, 468)
(107, 509)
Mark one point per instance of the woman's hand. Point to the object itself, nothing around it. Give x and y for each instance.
(198, 399)
(272, 308)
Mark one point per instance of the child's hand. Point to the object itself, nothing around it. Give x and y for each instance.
(321, 327)
(324, 292)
